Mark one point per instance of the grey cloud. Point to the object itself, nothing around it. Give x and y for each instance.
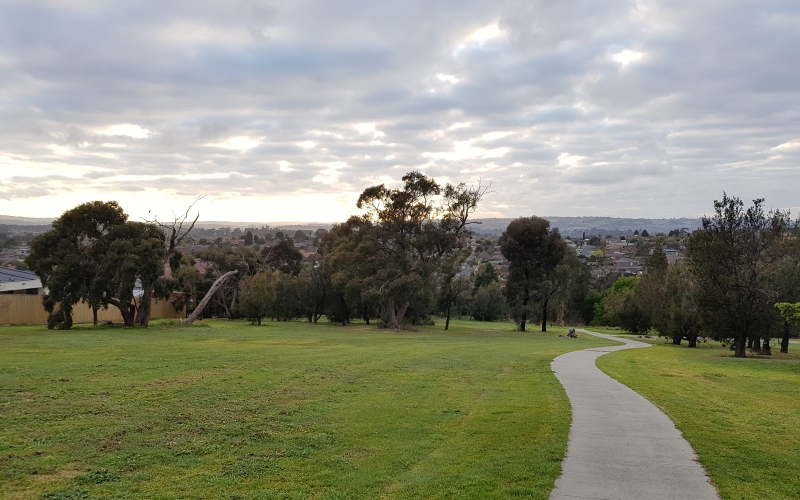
(713, 94)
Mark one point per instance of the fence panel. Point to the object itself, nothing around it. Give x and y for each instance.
(28, 310)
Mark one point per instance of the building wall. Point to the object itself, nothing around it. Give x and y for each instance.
(28, 310)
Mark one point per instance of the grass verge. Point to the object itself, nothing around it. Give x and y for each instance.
(285, 410)
(741, 416)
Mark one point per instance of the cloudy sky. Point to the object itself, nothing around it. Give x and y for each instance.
(287, 110)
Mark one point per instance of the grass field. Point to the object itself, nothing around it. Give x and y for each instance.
(742, 416)
(285, 410)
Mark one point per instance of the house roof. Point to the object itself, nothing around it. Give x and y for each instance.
(8, 275)
(14, 279)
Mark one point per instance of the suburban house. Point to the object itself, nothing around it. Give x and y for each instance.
(14, 281)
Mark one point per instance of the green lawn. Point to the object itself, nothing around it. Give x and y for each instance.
(742, 416)
(285, 410)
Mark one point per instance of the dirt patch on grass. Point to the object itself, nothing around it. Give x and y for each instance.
(63, 474)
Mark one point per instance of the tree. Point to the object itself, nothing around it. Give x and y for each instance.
(453, 291)
(731, 258)
(645, 234)
(94, 254)
(533, 250)
(657, 262)
(573, 279)
(130, 254)
(257, 296)
(283, 257)
(243, 259)
(417, 230)
(790, 312)
(489, 303)
(64, 259)
(669, 296)
(248, 238)
(485, 276)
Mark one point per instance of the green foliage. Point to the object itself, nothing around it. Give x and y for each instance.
(283, 257)
(657, 262)
(489, 303)
(533, 250)
(257, 296)
(94, 254)
(731, 258)
(790, 312)
(391, 258)
(485, 276)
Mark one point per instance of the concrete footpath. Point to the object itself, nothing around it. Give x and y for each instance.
(621, 447)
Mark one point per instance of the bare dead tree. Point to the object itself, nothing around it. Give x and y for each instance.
(175, 232)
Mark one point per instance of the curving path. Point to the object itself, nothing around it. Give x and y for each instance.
(621, 447)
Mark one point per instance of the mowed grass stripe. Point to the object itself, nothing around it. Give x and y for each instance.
(286, 410)
(741, 416)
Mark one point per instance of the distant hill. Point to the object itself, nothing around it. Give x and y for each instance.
(25, 221)
(576, 226)
(569, 226)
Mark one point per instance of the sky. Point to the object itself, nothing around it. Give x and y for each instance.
(287, 110)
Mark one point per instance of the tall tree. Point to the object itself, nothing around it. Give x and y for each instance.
(416, 229)
(130, 254)
(64, 259)
(731, 258)
(790, 313)
(533, 251)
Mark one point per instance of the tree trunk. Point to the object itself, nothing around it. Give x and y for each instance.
(127, 310)
(524, 314)
(94, 315)
(785, 339)
(739, 349)
(757, 344)
(216, 286)
(447, 321)
(544, 314)
(692, 340)
(676, 339)
(766, 350)
(145, 307)
(398, 316)
(750, 343)
(343, 310)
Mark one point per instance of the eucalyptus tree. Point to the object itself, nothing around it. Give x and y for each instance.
(406, 238)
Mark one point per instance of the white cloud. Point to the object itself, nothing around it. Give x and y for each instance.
(459, 125)
(483, 35)
(240, 143)
(125, 129)
(464, 150)
(306, 144)
(365, 128)
(493, 136)
(788, 145)
(447, 78)
(626, 57)
(330, 175)
(566, 159)
(285, 166)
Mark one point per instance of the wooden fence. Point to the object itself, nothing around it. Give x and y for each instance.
(28, 310)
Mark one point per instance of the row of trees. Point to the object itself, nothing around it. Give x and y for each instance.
(740, 283)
